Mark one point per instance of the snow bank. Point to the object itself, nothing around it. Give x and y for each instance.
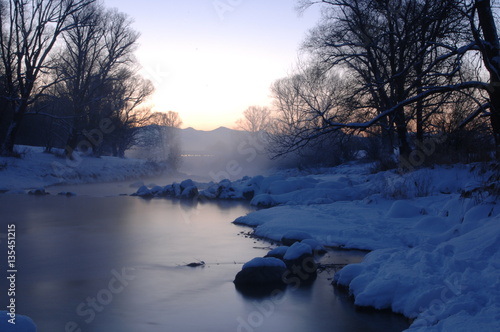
(435, 236)
(443, 287)
(292, 236)
(38, 169)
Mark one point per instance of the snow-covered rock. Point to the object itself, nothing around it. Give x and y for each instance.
(316, 246)
(261, 272)
(143, 191)
(278, 252)
(156, 191)
(301, 264)
(185, 190)
(38, 192)
(298, 251)
(434, 236)
(263, 262)
(187, 184)
(189, 192)
(20, 323)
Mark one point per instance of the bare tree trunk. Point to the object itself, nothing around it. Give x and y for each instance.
(71, 142)
(402, 131)
(491, 53)
(10, 136)
(495, 116)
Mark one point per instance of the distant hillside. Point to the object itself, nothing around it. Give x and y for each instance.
(221, 153)
(220, 140)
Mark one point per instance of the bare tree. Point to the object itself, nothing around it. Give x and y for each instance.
(159, 139)
(28, 32)
(486, 38)
(96, 63)
(394, 48)
(168, 119)
(255, 119)
(124, 110)
(304, 104)
(480, 36)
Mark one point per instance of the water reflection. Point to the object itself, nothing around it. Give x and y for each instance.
(72, 252)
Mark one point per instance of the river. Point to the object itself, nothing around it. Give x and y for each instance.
(96, 263)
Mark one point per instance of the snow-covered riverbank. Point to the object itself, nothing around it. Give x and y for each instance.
(436, 231)
(435, 234)
(38, 169)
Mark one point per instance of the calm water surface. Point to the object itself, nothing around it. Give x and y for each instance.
(118, 264)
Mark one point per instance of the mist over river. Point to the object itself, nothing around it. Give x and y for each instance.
(118, 263)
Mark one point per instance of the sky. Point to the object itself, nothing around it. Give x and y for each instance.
(209, 60)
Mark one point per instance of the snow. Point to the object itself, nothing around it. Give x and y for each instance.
(37, 169)
(296, 235)
(278, 251)
(434, 236)
(264, 261)
(297, 250)
(316, 247)
(434, 233)
(403, 209)
(22, 323)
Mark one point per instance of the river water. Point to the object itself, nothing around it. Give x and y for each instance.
(118, 263)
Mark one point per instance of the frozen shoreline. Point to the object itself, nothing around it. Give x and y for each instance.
(434, 234)
(37, 169)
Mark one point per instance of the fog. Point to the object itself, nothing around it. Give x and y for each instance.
(209, 155)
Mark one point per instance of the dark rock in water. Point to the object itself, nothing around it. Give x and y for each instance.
(248, 193)
(302, 267)
(260, 275)
(38, 192)
(260, 272)
(66, 193)
(291, 237)
(262, 290)
(195, 264)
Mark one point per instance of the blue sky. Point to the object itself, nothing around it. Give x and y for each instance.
(211, 59)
